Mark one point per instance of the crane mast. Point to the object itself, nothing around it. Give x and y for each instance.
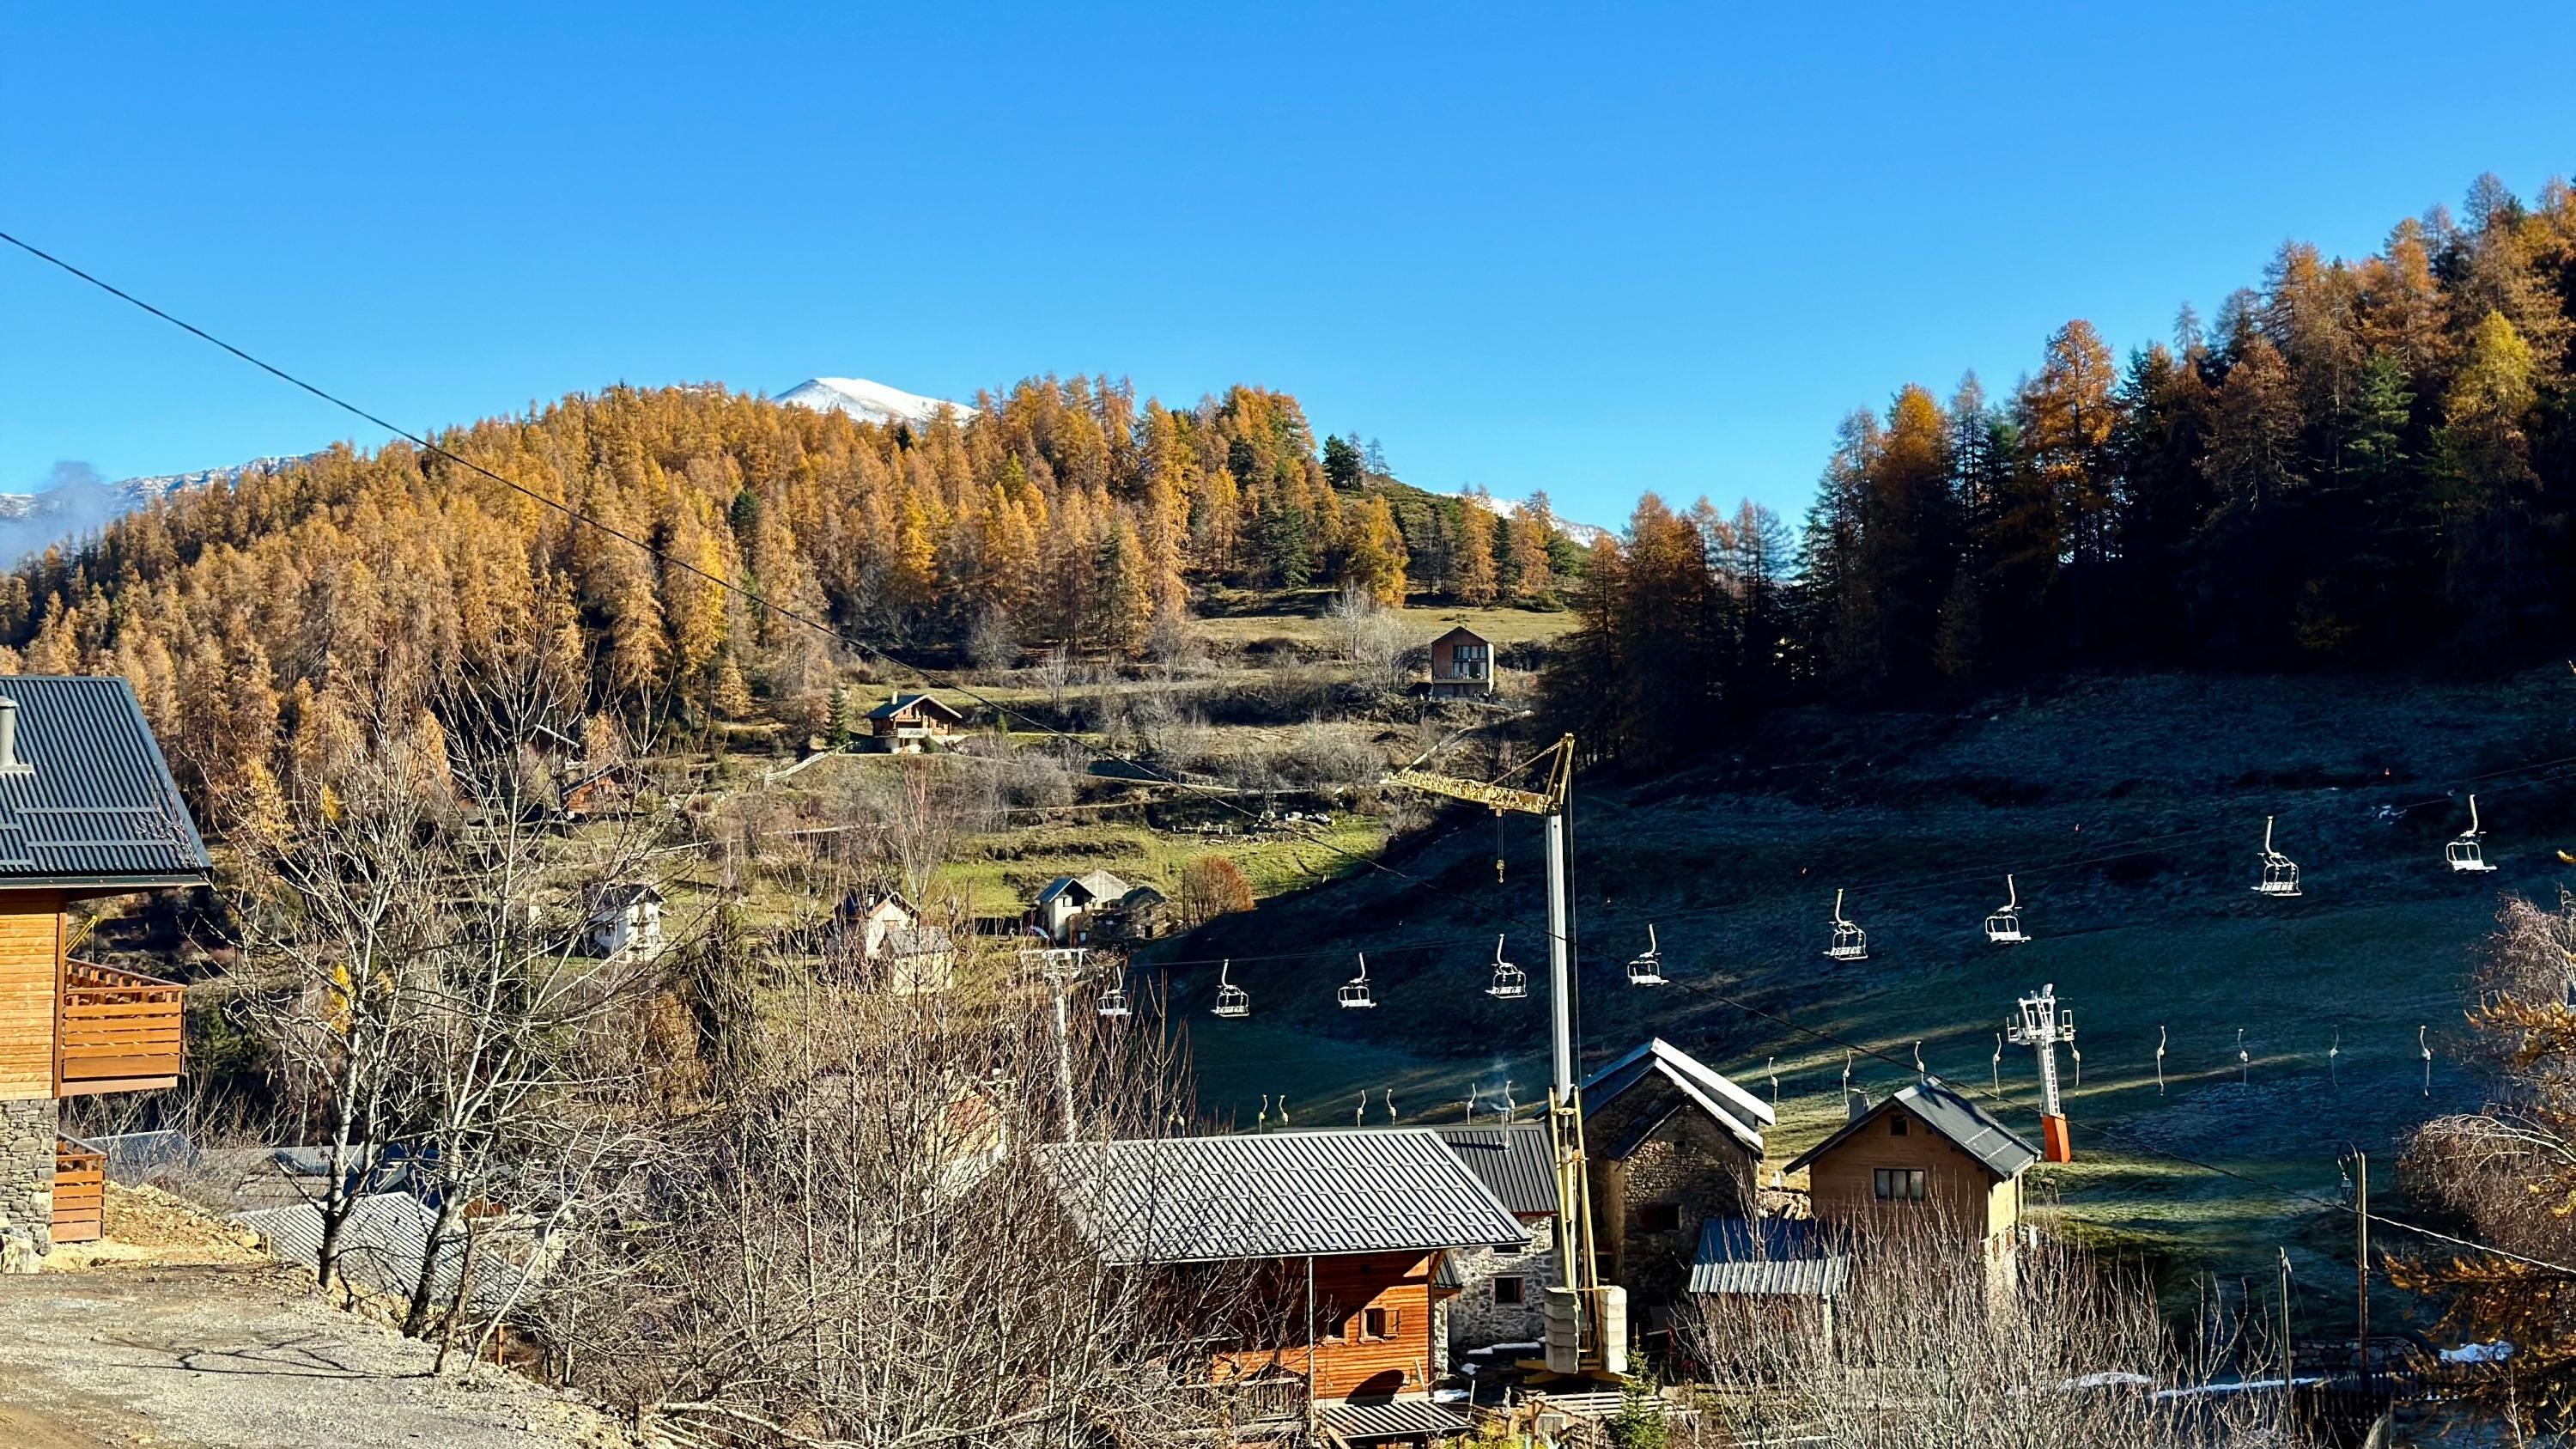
(1598, 1311)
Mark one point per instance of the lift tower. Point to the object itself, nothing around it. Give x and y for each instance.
(2042, 1025)
(1587, 1326)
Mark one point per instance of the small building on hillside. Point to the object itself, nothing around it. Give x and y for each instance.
(882, 936)
(1462, 665)
(1778, 1268)
(1672, 1144)
(1366, 1216)
(1069, 907)
(1502, 1291)
(908, 724)
(626, 919)
(1926, 1150)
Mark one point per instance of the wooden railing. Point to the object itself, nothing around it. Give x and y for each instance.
(115, 1031)
(80, 1193)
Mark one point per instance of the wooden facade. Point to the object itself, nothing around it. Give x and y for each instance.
(1372, 1328)
(31, 965)
(1462, 663)
(80, 1193)
(1845, 1185)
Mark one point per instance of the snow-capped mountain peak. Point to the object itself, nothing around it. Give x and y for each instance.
(1585, 534)
(869, 402)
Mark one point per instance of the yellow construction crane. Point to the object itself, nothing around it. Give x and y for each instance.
(1587, 1321)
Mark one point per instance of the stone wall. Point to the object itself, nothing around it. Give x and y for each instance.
(1475, 1320)
(26, 1181)
(1688, 1163)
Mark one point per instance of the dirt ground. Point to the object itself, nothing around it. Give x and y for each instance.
(179, 1333)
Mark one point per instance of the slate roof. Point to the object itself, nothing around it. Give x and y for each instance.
(1939, 1106)
(1514, 1160)
(1277, 1195)
(902, 941)
(1363, 1420)
(1659, 1061)
(1774, 1257)
(99, 806)
(1098, 885)
(904, 702)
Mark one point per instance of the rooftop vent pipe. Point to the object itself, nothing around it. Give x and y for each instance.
(10, 764)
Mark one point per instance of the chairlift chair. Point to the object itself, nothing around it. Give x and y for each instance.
(2004, 926)
(2280, 873)
(1850, 942)
(1355, 992)
(2464, 852)
(1232, 1001)
(1113, 1000)
(1648, 969)
(1511, 983)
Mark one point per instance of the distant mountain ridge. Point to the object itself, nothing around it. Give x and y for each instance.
(869, 402)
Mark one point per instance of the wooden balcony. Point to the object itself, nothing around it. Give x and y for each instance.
(80, 1193)
(115, 1031)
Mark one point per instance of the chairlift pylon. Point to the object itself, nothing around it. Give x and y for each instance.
(1355, 994)
(1232, 1001)
(1511, 983)
(2464, 852)
(1648, 969)
(1850, 942)
(2004, 926)
(2280, 873)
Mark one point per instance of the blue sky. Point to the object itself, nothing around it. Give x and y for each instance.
(1589, 250)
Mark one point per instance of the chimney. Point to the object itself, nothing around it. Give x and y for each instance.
(10, 764)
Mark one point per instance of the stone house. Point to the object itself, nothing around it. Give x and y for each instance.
(883, 935)
(1501, 1291)
(1671, 1144)
(626, 918)
(87, 810)
(1066, 906)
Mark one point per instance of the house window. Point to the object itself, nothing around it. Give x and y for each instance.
(1899, 1184)
(1382, 1322)
(1511, 1290)
(1895, 1124)
(1659, 1217)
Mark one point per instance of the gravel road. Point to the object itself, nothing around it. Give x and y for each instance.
(236, 1356)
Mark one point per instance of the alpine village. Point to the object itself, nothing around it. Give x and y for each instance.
(1048, 916)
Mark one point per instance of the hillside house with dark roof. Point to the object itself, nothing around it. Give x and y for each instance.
(883, 937)
(1069, 907)
(1369, 1214)
(88, 809)
(626, 919)
(1671, 1144)
(1462, 665)
(907, 724)
(1502, 1291)
(1925, 1150)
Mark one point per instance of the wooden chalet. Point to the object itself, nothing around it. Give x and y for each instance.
(605, 793)
(907, 724)
(1671, 1144)
(87, 810)
(1925, 1150)
(1365, 1217)
(1462, 665)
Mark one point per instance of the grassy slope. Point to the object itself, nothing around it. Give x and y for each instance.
(1922, 815)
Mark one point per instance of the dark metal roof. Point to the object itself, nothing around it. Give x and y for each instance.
(903, 702)
(903, 941)
(1514, 1159)
(99, 806)
(1277, 1195)
(1730, 1106)
(1775, 1257)
(1364, 1419)
(1938, 1106)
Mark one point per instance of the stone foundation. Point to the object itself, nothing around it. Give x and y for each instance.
(27, 1132)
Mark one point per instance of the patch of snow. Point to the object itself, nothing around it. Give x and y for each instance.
(869, 402)
(2496, 1352)
(1448, 1396)
(1586, 534)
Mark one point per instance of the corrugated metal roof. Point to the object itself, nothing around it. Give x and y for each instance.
(385, 1239)
(1730, 1106)
(1277, 1195)
(1939, 1106)
(1390, 1419)
(99, 805)
(1775, 1257)
(1515, 1160)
